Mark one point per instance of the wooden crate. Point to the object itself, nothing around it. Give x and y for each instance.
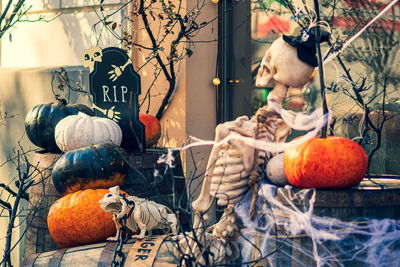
(96, 255)
(372, 199)
(41, 196)
(168, 188)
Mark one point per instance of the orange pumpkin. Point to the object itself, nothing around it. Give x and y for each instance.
(77, 219)
(333, 162)
(153, 129)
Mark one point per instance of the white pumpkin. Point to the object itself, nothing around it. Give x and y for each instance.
(77, 131)
(275, 171)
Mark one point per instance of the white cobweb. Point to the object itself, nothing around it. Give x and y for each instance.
(286, 232)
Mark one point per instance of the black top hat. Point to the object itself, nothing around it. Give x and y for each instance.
(305, 44)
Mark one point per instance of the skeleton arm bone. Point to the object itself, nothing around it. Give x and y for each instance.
(202, 203)
(110, 113)
(117, 70)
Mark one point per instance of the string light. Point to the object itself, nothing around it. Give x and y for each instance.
(215, 1)
(216, 81)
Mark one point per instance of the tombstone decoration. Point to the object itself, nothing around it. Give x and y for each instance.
(115, 87)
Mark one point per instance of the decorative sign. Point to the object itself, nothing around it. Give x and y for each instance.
(144, 252)
(115, 87)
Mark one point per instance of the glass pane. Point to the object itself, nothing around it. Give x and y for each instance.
(366, 78)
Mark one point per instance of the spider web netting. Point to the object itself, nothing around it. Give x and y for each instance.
(287, 232)
(290, 230)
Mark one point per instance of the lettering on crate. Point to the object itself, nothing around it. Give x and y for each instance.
(146, 248)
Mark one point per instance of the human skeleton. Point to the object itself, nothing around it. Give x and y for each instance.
(234, 167)
(146, 215)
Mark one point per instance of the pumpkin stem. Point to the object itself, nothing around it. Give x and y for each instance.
(62, 101)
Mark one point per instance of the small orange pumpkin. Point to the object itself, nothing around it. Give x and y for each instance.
(153, 129)
(332, 162)
(77, 219)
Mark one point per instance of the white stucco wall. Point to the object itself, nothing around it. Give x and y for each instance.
(28, 60)
(58, 41)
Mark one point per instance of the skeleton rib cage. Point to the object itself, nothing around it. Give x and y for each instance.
(230, 177)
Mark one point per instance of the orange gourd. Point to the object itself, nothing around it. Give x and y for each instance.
(77, 219)
(152, 129)
(333, 162)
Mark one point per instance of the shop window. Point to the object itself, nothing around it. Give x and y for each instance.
(371, 58)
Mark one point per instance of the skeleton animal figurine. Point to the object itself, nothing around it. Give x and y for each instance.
(146, 215)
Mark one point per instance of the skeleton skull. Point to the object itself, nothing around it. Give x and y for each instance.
(92, 55)
(281, 68)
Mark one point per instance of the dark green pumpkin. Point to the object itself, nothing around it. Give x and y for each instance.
(42, 119)
(91, 167)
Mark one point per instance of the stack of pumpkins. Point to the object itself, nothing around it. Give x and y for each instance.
(92, 161)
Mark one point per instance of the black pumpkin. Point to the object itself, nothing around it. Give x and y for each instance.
(91, 167)
(42, 119)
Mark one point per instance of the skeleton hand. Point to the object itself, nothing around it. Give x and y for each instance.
(228, 227)
(110, 113)
(117, 71)
(217, 251)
